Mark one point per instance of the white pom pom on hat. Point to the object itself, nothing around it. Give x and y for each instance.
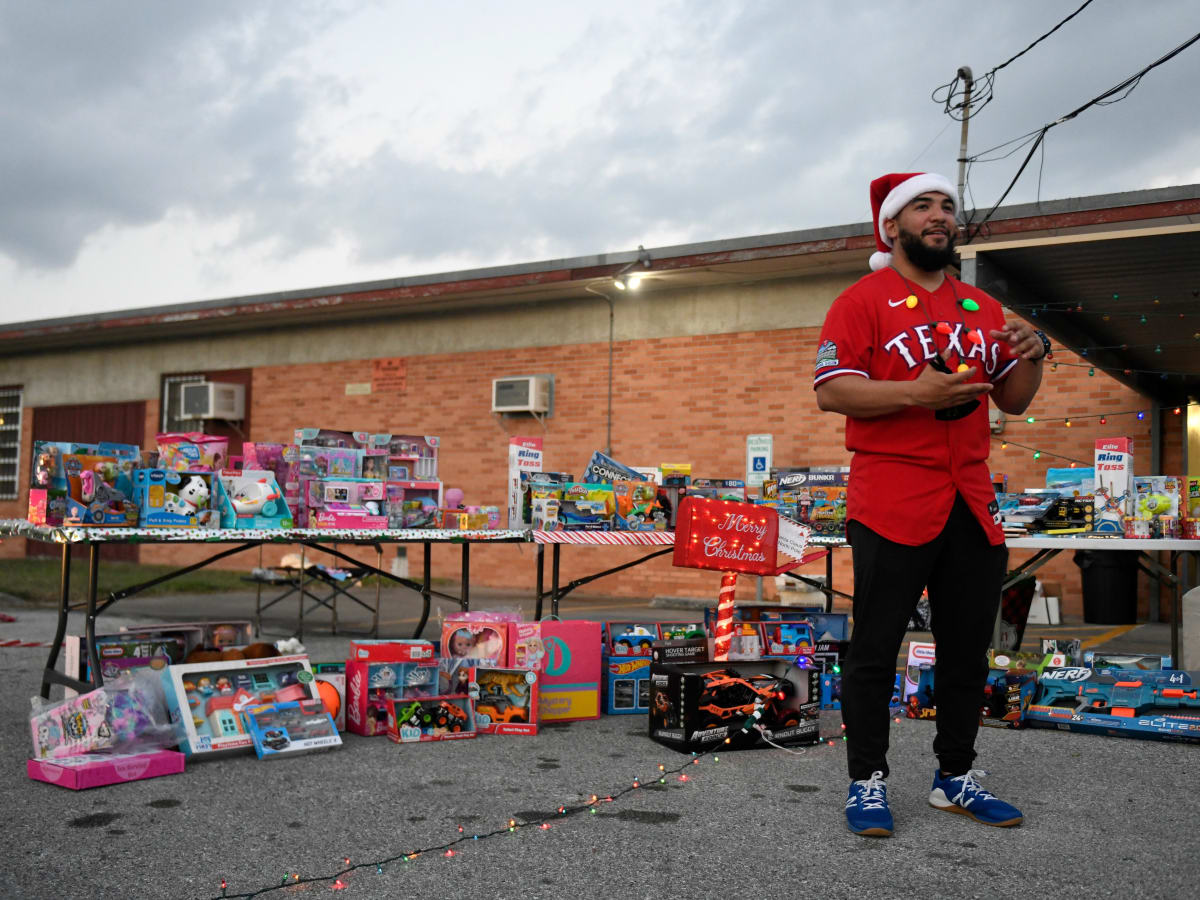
(890, 194)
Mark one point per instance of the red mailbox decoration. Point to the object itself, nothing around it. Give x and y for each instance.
(733, 537)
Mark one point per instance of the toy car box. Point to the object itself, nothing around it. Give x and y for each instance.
(697, 706)
(99, 769)
(788, 639)
(629, 638)
(430, 719)
(625, 684)
(587, 507)
(370, 685)
(206, 700)
(252, 498)
(298, 726)
(506, 701)
(1162, 705)
(168, 498)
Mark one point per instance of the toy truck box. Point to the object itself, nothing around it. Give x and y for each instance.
(638, 508)
(206, 700)
(431, 719)
(625, 684)
(370, 685)
(819, 496)
(587, 507)
(1161, 705)
(697, 706)
(506, 700)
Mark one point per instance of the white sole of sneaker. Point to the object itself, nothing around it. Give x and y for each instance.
(954, 808)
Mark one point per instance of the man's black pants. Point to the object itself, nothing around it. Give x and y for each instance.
(963, 574)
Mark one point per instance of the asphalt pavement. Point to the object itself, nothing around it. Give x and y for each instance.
(1105, 817)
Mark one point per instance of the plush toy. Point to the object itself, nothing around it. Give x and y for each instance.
(194, 493)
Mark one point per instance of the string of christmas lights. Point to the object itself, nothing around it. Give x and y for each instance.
(1091, 367)
(338, 880)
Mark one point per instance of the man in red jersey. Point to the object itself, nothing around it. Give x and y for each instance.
(909, 355)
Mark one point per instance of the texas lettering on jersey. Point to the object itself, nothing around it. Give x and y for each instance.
(916, 346)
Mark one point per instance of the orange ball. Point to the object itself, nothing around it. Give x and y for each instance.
(330, 698)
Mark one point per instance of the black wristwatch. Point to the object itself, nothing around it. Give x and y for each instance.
(1045, 346)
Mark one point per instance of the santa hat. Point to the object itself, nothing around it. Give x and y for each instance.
(890, 194)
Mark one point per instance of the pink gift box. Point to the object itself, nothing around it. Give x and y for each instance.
(81, 772)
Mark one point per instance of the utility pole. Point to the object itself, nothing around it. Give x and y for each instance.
(969, 82)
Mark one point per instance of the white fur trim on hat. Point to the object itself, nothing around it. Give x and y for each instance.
(899, 197)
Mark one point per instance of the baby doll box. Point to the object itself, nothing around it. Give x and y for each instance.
(482, 641)
(96, 770)
(252, 498)
(206, 700)
(172, 499)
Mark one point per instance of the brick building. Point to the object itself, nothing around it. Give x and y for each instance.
(716, 343)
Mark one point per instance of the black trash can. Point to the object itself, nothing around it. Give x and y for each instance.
(1109, 586)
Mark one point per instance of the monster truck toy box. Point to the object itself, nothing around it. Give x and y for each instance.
(696, 706)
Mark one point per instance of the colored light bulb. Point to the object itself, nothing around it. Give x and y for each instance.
(1037, 454)
(910, 301)
(970, 305)
(1030, 419)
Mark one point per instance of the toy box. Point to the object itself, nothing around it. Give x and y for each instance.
(788, 639)
(819, 496)
(536, 485)
(1011, 661)
(48, 485)
(206, 699)
(125, 651)
(625, 685)
(638, 508)
(332, 438)
(329, 462)
(567, 656)
(297, 726)
(331, 685)
(1063, 652)
(417, 453)
(697, 706)
(689, 650)
(431, 719)
(79, 773)
(413, 504)
(1158, 499)
(602, 469)
(524, 455)
(1143, 662)
(252, 499)
(545, 516)
(481, 641)
(1006, 697)
(587, 507)
(371, 684)
(1155, 705)
(1067, 515)
(412, 650)
(831, 691)
(1114, 470)
(630, 638)
(168, 498)
(919, 653)
(100, 490)
(221, 633)
(192, 451)
(826, 626)
(345, 503)
(674, 479)
(717, 488)
(506, 701)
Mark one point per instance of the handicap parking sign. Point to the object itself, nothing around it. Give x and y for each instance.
(759, 464)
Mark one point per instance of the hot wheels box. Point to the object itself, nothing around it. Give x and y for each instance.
(697, 706)
(506, 701)
(96, 770)
(431, 719)
(297, 726)
(625, 687)
(206, 700)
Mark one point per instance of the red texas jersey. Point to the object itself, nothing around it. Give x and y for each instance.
(907, 466)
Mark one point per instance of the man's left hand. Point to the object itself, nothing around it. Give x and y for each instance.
(1022, 339)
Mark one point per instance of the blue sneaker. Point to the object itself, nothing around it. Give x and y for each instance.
(867, 810)
(964, 795)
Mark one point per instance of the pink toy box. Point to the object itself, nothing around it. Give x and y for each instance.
(506, 701)
(398, 650)
(481, 638)
(370, 686)
(192, 451)
(96, 770)
(346, 503)
(567, 656)
(206, 700)
(418, 454)
(413, 504)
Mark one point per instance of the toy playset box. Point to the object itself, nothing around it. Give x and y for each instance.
(413, 504)
(566, 655)
(120, 652)
(170, 498)
(206, 700)
(638, 506)
(587, 507)
(370, 685)
(431, 719)
(506, 700)
(82, 484)
(99, 769)
(296, 726)
(414, 453)
(540, 486)
(192, 451)
(345, 503)
(252, 498)
(1162, 705)
(697, 706)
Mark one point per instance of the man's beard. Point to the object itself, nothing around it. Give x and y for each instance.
(924, 257)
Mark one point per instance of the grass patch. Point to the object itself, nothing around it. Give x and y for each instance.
(37, 580)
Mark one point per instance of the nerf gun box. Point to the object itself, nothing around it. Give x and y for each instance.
(1159, 705)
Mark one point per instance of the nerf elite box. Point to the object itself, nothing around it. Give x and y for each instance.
(506, 700)
(96, 770)
(297, 726)
(566, 655)
(431, 719)
(696, 706)
(1160, 705)
(206, 700)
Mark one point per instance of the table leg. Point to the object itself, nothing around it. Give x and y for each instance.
(93, 587)
(426, 582)
(541, 578)
(554, 561)
(1176, 609)
(300, 623)
(829, 581)
(258, 598)
(378, 589)
(466, 577)
(64, 608)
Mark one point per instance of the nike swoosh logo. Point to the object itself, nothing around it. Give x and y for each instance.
(896, 302)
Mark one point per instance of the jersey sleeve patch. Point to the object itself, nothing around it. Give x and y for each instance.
(827, 356)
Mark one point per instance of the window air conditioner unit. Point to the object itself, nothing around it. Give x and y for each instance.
(212, 400)
(524, 394)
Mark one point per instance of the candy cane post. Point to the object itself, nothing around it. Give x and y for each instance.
(734, 537)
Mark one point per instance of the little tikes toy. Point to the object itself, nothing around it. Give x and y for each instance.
(630, 640)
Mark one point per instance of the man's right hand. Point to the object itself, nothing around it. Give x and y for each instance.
(936, 390)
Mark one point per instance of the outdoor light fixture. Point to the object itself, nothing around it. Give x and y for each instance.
(625, 280)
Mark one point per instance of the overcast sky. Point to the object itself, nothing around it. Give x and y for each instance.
(157, 153)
